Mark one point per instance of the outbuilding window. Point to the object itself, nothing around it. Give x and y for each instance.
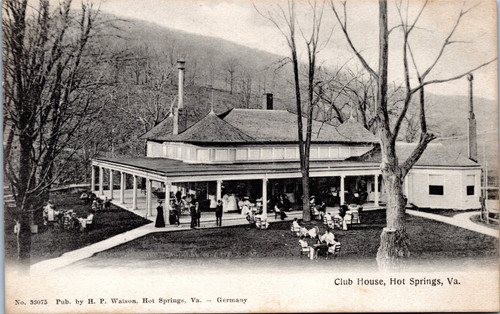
(469, 183)
(436, 184)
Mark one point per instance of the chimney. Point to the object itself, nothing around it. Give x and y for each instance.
(472, 135)
(179, 111)
(267, 104)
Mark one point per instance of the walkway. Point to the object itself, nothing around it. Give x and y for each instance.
(459, 220)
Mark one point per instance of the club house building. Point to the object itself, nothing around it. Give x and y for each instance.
(255, 152)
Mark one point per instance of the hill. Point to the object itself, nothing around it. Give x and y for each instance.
(236, 76)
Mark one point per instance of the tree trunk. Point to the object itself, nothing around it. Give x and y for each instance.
(394, 242)
(306, 208)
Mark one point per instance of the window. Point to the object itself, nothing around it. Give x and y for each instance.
(267, 153)
(221, 155)
(334, 152)
(290, 153)
(242, 154)
(279, 153)
(323, 152)
(254, 154)
(203, 155)
(436, 184)
(469, 183)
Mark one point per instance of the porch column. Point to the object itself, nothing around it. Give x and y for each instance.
(166, 207)
(110, 184)
(342, 193)
(148, 198)
(122, 187)
(134, 194)
(101, 179)
(219, 190)
(376, 190)
(92, 179)
(264, 196)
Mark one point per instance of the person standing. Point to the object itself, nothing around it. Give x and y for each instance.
(192, 211)
(160, 220)
(218, 213)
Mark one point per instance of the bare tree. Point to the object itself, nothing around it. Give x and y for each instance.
(394, 245)
(50, 90)
(285, 19)
(231, 66)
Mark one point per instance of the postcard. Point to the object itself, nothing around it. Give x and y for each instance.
(250, 156)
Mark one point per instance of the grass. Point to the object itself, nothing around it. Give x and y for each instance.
(52, 241)
(429, 239)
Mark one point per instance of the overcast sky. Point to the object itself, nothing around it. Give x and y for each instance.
(238, 21)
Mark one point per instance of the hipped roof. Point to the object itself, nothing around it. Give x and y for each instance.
(249, 126)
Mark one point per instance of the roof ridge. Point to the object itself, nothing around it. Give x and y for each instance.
(211, 113)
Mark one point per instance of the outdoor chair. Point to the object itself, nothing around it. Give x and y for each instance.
(295, 231)
(327, 220)
(355, 218)
(335, 249)
(337, 223)
(89, 222)
(304, 248)
(261, 223)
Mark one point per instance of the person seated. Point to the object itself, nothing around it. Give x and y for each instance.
(328, 238)
(89, 222)
(322, 209)
(304, 232)
(84, 196)
(295, 224)
(107, 204)
(331, 248)
(251, 219)
(313, 233)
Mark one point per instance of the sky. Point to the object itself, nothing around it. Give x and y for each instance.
(238, 21)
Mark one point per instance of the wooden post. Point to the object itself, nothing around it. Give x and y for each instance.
(101, 179)
(219, 190)
(92, 179)
(264, 197)
(376, 191)
(134, 194)
(166, 208)
(122, 187)
(149, 204)
(110, 184)
(342, 188)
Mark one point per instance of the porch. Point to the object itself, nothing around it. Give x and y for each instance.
(165, 177)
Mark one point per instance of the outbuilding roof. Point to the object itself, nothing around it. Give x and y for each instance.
(435, 155)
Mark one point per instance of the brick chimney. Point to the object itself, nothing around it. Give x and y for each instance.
(179, 115)
(267, 104)
(472, 135)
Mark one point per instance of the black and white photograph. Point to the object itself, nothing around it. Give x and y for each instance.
(170, 156)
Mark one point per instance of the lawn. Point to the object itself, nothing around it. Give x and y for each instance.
(429, 240)
(52, 241)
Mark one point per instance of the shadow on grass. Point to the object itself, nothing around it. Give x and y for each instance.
(428, 240)
(53, 241)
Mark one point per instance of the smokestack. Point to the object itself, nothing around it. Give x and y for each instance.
(472, 135)
(180, 106)
(267, 104)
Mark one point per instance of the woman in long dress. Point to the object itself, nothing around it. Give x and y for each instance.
(160, 220)
(232, 206)
(225, 201)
